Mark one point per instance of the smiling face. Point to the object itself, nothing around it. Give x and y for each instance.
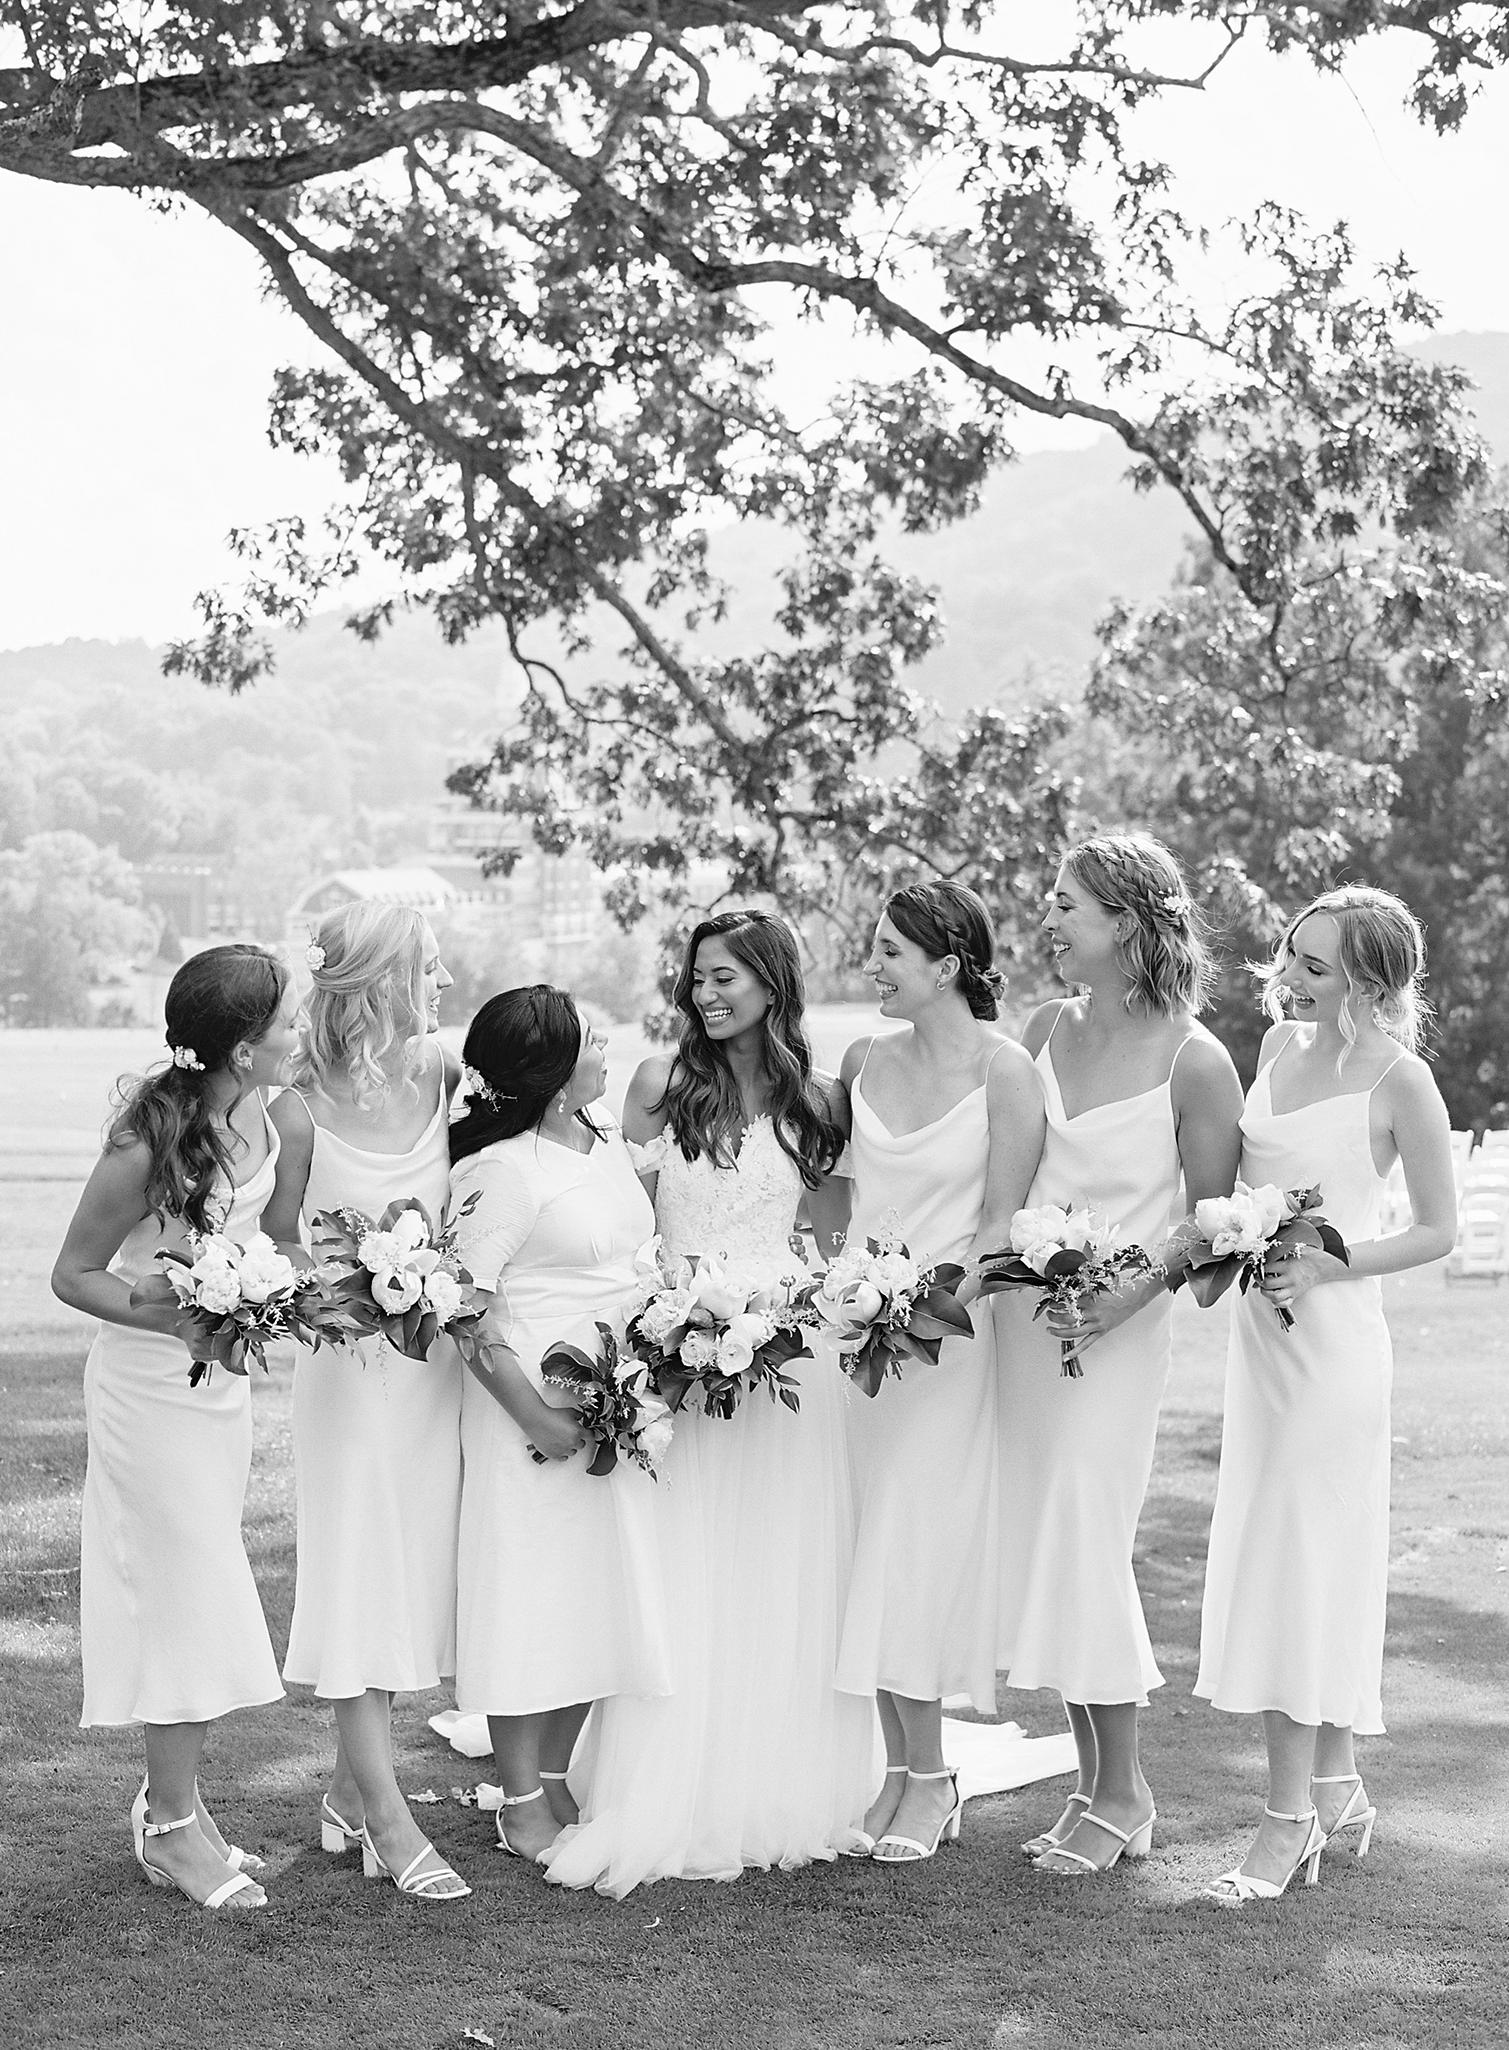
(437, 977)
(906, 976)
(1312, 981)
(589, 1078)
(1080, 930)
(729, 998)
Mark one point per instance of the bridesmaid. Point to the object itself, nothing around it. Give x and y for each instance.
(376, 1437)
(1139, 1096)
(947, 1129)
(559, 1597)
(172, 1630)
(1296, 1581)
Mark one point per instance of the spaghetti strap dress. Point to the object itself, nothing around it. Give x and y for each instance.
(377, 1461)
(1076, 1453)
(755, 1759)
(170, 1622)
(921, 1614)
(1297, 1574)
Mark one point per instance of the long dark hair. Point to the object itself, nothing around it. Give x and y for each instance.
(523, 1045)
(948, 918)
(701, 1099)
(216, 1000)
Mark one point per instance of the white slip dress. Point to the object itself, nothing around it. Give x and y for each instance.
(377, 1460)
(1076, 1453)
(170, 1622)
(921, 1615)
(1297, 1576)
(559, 1596)
(756, 1759)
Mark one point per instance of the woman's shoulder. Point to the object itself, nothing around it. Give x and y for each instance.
(1200, 1060)
(1040, 1022)
(1409, 1082)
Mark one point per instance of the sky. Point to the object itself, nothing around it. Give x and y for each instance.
(137, 350)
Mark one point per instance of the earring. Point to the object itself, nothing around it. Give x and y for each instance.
(942, 980)
(560, 1105)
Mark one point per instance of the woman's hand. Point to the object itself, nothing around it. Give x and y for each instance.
(1095, 1316)
(556, 1433)
(1297, 1273)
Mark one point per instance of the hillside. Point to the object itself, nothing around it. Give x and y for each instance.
(1057, 537)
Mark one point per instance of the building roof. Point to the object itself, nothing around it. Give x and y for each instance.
(421, 887)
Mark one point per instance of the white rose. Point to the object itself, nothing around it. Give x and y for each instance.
(264, 1270)
(396, 1289)
(218, 1290)
(859, 1303)
(737, 1346)
(699, 1350)
(713, 1291)
(443, 1294)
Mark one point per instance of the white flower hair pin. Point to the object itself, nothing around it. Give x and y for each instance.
(185, 1057)
(314, 954)
(1176, 904)
(478, 1087)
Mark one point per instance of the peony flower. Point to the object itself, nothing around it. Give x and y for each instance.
(898, 1273)
(666, 1314)
(264, 1270)
(396, 1289)
(314, 954)
(1243, 1222)
(218, 1291)
(443, 1294)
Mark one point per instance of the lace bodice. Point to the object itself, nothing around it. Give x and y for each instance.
(741, 1215)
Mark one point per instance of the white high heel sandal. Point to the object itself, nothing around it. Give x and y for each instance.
(1358, 1811)
(947, 1831)
(1234, 1889)
(336, 1833)
(518, 1801)
(141, 1829)
(861, 1844)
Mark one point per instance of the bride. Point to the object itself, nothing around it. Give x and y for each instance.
(755, 1759)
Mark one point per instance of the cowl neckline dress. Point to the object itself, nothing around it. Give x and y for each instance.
(1077, 1453)
(921, 1613)
(377, 1461)
(171, 1625)
(1296, 1580)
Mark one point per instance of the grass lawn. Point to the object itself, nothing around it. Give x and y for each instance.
(973, 1949)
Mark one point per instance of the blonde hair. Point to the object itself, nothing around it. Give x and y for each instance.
(1165, 956)
(1381, 947)
(367, 1001)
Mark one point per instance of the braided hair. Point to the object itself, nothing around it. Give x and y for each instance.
(949, 918)
(1165, 954)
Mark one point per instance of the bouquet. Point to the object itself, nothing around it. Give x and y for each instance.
(242, 1299)
(1240, 1234)
(400, 1276)
(617, 1408)
(1070, 1254)
(884, 1307)
(697, 1328)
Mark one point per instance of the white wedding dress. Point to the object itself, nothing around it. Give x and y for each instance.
(755, 1759)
